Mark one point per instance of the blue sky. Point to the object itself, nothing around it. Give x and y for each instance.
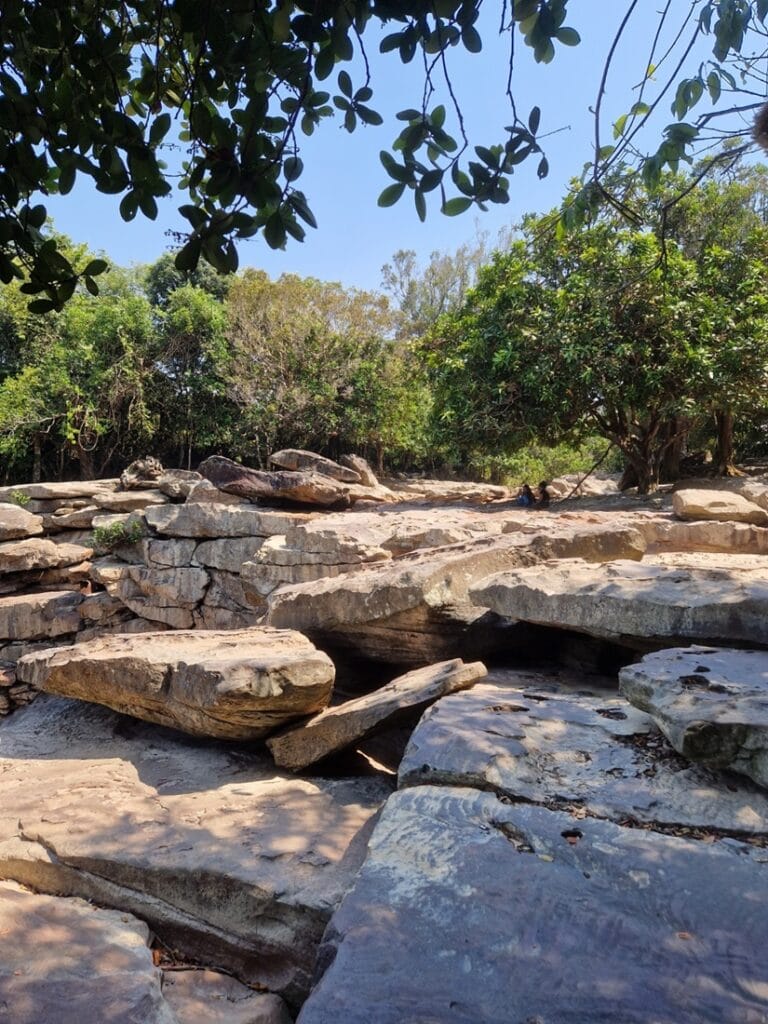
(344, 176)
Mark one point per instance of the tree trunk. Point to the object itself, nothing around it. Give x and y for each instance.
(676, 432)
(37, 459)
(724, 454)
(87, 468)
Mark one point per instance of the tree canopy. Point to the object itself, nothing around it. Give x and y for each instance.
(101, 90)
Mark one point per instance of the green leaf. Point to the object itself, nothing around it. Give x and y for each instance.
(568, 37)
(91, 286)
(41, 306)
(391, 194)
(714, 85)
(455, 206)
(368, 116)
(274, 232)
(533, 120)
(188, 256)
(543, 169)
(345, 83)
(421, 204)
(618, 126)
(159, 129)
(67, 179)
(292, 168)
(471, 39)
(129, 206)
(96, 267)
(148, 206)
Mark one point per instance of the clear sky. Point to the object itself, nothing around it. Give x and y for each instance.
(344, 176)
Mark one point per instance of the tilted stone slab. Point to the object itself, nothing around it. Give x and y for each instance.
(229, 861)
(717, 505)
(233, 685)
(416, 609)
(35, 553)
(17, 522)
(305, 488)
(69, 962)
(711, 704)
(339, 727)
(637, 603)
(35, 616)
(298, 459)
(559, 749)
(468, 909)
(211, 520)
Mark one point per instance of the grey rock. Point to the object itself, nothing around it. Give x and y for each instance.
(59, 491)
(35, 616)
(17, 522)
(35, 553)
(472, 910)
(227, 554)
(297, 459)
(561, 749)
(205, 997)
(358, 465)
(711, 704)
(217, 521)
(176, 484)
(717, 505)
(128, 501)
(168, 554)
(204, 492)
(340, 726)
(304, 488)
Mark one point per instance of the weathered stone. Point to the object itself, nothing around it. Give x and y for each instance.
(278, 551)
(34, 616)
(416, 609)
(717, 505)
(339, 727)
(63, 578)
(227, 554)
(232, 685)
(119, 624)
(69, 962)
(205, 997)
(35, 553)
(297, 459)
(77, 519)
(733, 538)
(164, 588)
(448, 490)
(261, 578)
(177, 484)
(470, 909)
(205, 492)
(100, 607)
(300, 488)
(128, 501)
(227, 590)
(533, 743)
(711, 704)
(358, 465)
(59, 491)
(17, 522)
(140, 473)
(574, 484)
(168, 554)
(225, 858)
(217, 521)
(650, 603)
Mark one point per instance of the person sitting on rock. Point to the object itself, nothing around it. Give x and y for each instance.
(526, 498)
(544, 497)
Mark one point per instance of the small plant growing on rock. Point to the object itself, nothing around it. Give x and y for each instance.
(20, 498)
(106, 538)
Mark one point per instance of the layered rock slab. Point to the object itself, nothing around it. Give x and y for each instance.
(205, 997)
(652, 603)
(517, 913)
(228, 860)
(711, 704)
(35, 616)
(66, 961)
(718, 506)
(237, 685)
(17, 522)
(522, 739)
(338, 727)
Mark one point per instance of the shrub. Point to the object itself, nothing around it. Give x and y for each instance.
(105, 538)
(20, 498)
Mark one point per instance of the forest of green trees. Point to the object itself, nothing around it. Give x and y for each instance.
(535, 354)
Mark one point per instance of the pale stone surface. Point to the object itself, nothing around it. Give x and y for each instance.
(416, 609)
(734, 538)
(710, 703)
(338, 727)
(205, 997)
(59, 491)
(291, 550)
(595, 485)
(298, 459)
(34, 616)
(17, 522)
(227, 554)
(223, 856)
(35, 553)
(469, 909)
(305, 488)
(68, 962)
(209, 520)
(448, 490)
(358, 464)
(630, 602)
(165, 595)
(77, 519)
(168, 553)
(177, 483)
(128, 501)
(204, 491)
(519, 737)
(717, 505)
(237, 685)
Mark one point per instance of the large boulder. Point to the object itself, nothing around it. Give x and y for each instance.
(297, 459)
(711, 704)
(226, 858)
(305, 488)
(69, 962)
(35, 553)
(646, 604)
(473, 909)
(339, 727)
(719, 506)
(17, 522)
(237, 685)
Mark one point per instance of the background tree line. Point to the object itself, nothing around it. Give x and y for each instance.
(532, 355)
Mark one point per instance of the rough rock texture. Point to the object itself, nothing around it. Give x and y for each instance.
(225, 858)
(209, 520)
(35, 553)
(59, 492)
(717, 505)
(68, 962)
(416, 609)
(469, 909)
(163, 595)
(34, 616)
(711, 704)
(228, 554)
(167, 554)
(236, 685)
(358, 465)
(301, 488)
(205, 997)
(17, 522)
(448, 490)
(177, 484)
(647, 604)
(297, 459)
(529, 742)
(205, 492)
(340, 726)
(128, 501)
(732, 538)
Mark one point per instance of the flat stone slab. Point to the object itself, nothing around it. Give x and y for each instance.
(35, 616)
(230, 862)
(629, 602)
(58, 490)
(205, 997)
(521, 738)
(339, 727)
(711, 704)
(306, 488)
(17, 522)
(469, 909)
(66, 961)
(237, 684)
(298, 459)
(35, 553)
(717, 505)
(212, 520)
